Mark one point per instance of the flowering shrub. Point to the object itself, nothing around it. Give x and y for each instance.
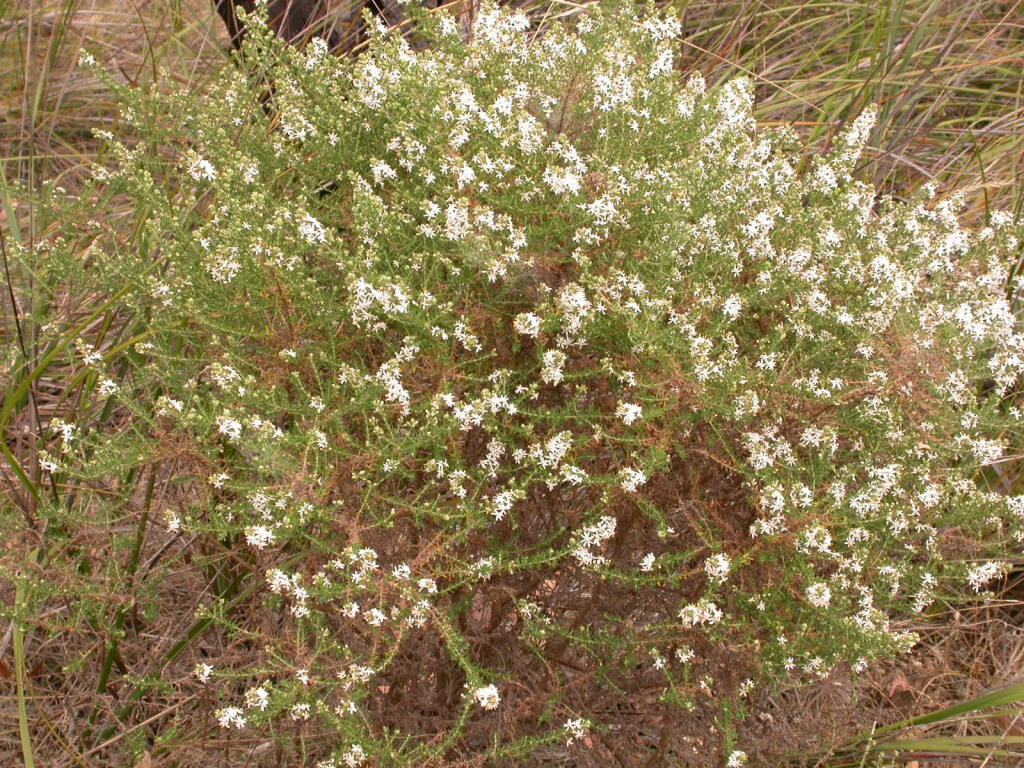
(531, 381)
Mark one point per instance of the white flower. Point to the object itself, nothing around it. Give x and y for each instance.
(312, 231)
(700, 613)
(575, 307)
(230, 428)
(684, 654)
(982, 574)
(46, 462)
(259, 536)
(360, 673)
(572, 474)
(91, 356)
(602, 210)
(530, 134)
(501, 504)
(632, 479)
(300, 712)
(987, 451)
(647, 563)
(931, 495)
(356, 755)
(164, 405)
(662, 65)
(815, 539)
(487, 697)
(554, 450)
(527, 324)
(825, 177)
(202, 672)
(575, 728)
(563, 181)
(552, 372)
(257, 698)
(172, 521)
(819, 595)
(737, 759)
(278, 581)
(401, 571)
(67, 431)
(484, 567)
(382, 171)
(456, 221)
(230, 717)
(202, 169)
(107, 387)
(598, 533)
(732, 307)
(629, 412)
(717, 568)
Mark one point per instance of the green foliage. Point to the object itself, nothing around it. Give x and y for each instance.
(523, 376)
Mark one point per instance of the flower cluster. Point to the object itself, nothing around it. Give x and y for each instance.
(508, 347)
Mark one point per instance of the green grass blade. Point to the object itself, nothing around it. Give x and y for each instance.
(1014, 694)
(24, 733)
